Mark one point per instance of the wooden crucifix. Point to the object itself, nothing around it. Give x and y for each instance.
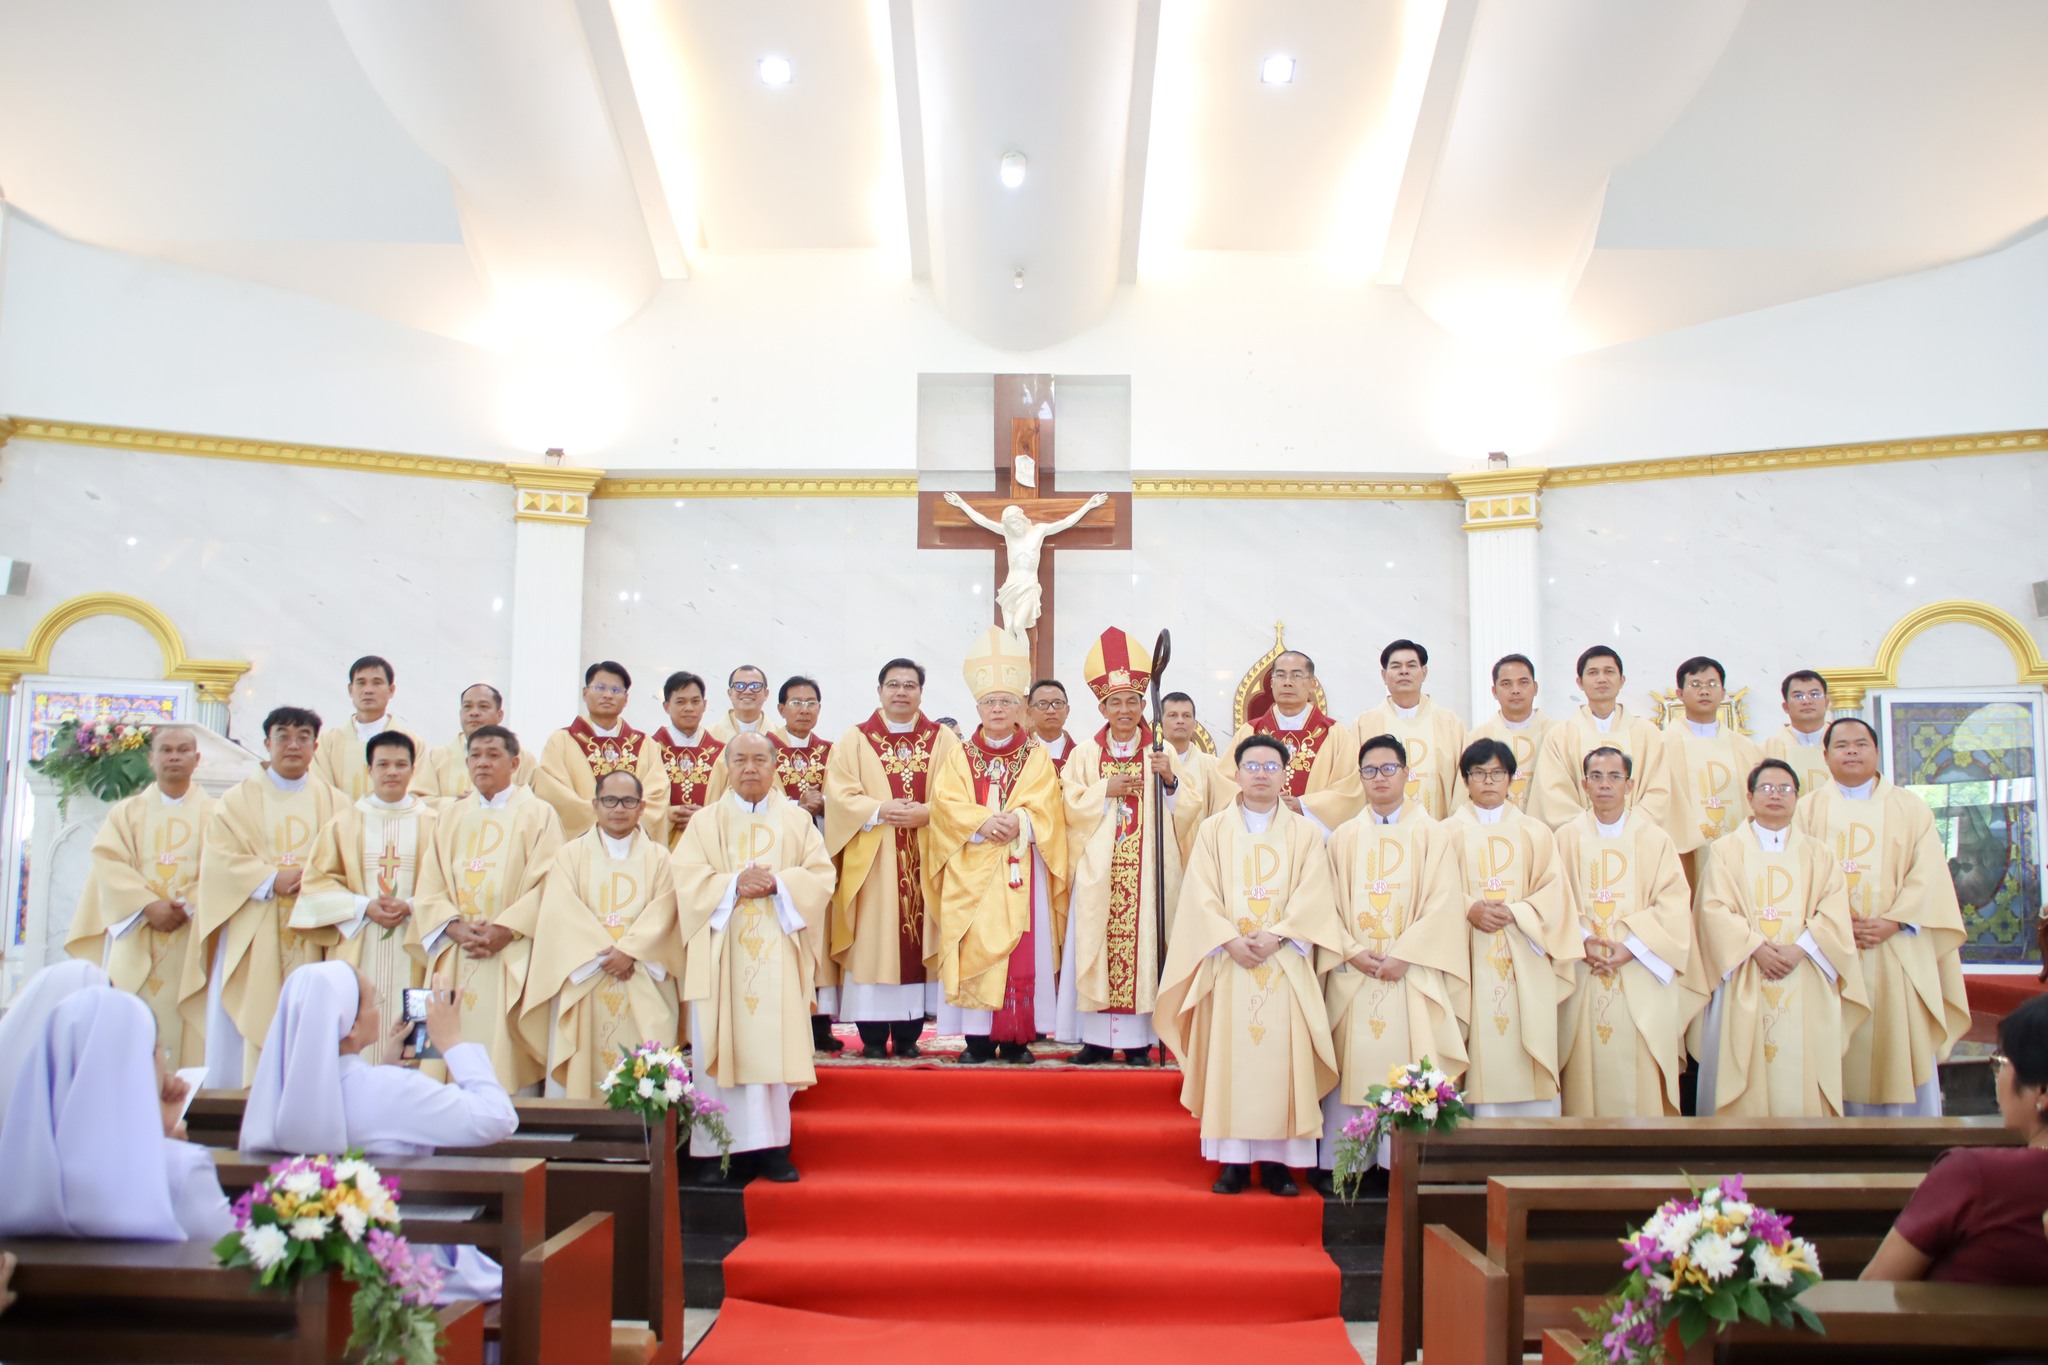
(1025, 512)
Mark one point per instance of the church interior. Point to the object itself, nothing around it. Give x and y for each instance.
(1244, 352)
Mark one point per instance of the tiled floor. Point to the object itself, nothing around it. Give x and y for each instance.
(697, 1321)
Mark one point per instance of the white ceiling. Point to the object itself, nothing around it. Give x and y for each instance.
(1555, 174)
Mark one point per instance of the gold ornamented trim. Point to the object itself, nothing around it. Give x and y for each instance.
(553, 493)
(1800, 457)
(1419, 488)
(1848, 686)
(6, 429)
(845, 486)
(1500, 499)
(215, 678)
(261, 452)
(1734, 712)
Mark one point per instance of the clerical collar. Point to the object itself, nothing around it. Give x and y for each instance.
(1808, 739)
(1057, 745)
(500, 801)
(1606, 725)
(603, 733)
(286, 784)
(1521, 724)
(795, 741)
(1862, 791)
(170, 800)
(365, 729)
(750, 807)
(1490, 817)
(694, 740)
(618, 848)
(376, 802)
(1704, 729)
(1256, 822)
(748, 727)
(1770, 840)
(1124, 748)
(1405, 712)
(1393, 819)
(900, 727)
(998, 746)
(1283, 721)
(1612, 831)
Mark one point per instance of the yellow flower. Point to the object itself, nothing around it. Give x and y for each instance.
(1394, 1076)
(639, 1070)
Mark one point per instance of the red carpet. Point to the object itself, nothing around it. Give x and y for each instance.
(980, 1217)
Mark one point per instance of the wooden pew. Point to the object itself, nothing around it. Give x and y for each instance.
(1443, 1180)
(599, 1160)
(1552, 1247)
(1876, 1324)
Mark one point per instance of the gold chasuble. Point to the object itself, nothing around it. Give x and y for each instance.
(1810, 761)
(1527, 745)
(1780, 1044)
(577, 756)
(1623, 1036)
(1433, 737)
(443, 776)
(256, 831)
(1397, 893)
(1894, 867)
(752, 962)
(369, 850)
(148, 850)
(983, 891)
(1322, 766)
(1709, 777)
(1517, 989)
(1254, 1044)
(339, 759)
(696, 777)
(881, 907)
(1557, 796)
(1112, 901)
(574, 1013)
(485, 867)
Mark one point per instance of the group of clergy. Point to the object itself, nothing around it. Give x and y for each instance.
(1556, 912)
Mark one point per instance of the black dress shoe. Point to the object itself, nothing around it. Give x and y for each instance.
(909, 1050)
(1277, 1180)
(710, 1174)
(978, 1050)
(1019, 1053)
(1090, 1055)
(1324, 1182)
(773, 1164)
(821, 1036)
(1138, 1056)
(874, 1052)
(1233, 1180)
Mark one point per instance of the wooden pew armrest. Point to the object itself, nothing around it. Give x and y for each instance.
(574, 1268)
(1464, 1302)
(463, 1323)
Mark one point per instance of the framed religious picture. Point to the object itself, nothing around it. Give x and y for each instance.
(1975, 757)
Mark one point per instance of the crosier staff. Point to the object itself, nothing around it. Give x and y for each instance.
(1162, 650)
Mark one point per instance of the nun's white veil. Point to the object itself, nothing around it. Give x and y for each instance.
(22, 1026)
(295, 1099)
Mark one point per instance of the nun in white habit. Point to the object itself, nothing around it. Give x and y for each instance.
(84, 1144)
(314, 1093)
(22, 1025)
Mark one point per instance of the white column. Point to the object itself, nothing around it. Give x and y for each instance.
(553, 510)
(1505, 605)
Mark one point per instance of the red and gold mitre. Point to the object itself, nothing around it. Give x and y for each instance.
(999, 662)
(1117, 663)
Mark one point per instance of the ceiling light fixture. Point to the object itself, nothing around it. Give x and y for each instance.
(1018, 278)
(774, 70)
(1277, 69)
(1013, 169)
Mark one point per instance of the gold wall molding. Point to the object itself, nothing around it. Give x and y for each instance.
(553, 493)
(215, 678)
(1848, 686)
(766, 486)
(260, 452)
(1501, 499)
(1799, 457)
(1412, 488)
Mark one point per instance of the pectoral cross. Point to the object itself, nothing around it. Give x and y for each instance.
(1024, 465)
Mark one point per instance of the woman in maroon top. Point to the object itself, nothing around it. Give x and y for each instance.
(1981, 1215)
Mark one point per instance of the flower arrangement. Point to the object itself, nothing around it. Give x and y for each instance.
(1417, 1098)
(103, 756)
(1702, 1263)
(312, 1214)
(651, 1079)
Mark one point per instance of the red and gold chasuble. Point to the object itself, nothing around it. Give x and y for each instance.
(907, 759)
(1302, 745)
(1126, 874)
(799, 772)
(689, 769)
(1059, 760)
(618, 753)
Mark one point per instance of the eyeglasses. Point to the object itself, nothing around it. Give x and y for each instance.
(1056, 704)
(607, 690)
(1369, 772)
(1701, 685)
(1806, 696)
(1487, 775)
(1292, 675)
(618, 802)
(1777, 789)
(1999, 1062)
(1261, 766)
(800, 704)
(748, 689)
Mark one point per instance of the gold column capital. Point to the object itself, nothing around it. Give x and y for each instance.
(553, 493)
(1500, 499)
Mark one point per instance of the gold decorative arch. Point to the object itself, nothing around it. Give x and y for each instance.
(1847, 686)
(215, 678)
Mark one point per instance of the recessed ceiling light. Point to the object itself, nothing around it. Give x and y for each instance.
(1277, 69)
(774, 70)
(1013, 169)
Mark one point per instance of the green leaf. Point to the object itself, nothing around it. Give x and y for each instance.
(1722, 1307)
(1693, 1322)
(1754, 1303)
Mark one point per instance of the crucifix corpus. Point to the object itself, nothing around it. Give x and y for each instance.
(1025, 512)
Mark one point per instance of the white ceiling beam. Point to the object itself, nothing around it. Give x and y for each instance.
(1432, 125)
(615, 82)
(910, 127)
(1138, 136)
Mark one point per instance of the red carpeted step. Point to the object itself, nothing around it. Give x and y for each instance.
(892, 1141)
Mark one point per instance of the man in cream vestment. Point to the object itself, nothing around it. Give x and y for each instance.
(689, 752)
(998, 846)
(877, 819)
(1708, 765)
(603, 972)
(1430, 734)
(1240, 1004)
(753, 883)
(1524, 946)
(1109, 967)
(1775, 939)
(1622, 1033)
(479, 899)
(1322, 754)
(257, 844)
(1190, 762)
(134, 917)
(1517, 724)
(340, 761)
(1907, 925)
(357, 899)
(596, 743)
(801, 756)
(1557, 795)
(1398, 988)
(746, 687)
(1802, 740)
(443, 776)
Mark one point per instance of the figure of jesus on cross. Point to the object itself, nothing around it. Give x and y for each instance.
(1020, 595)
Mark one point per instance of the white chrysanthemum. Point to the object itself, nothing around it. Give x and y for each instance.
(348, 1168)
(1429, 1112)
(673, 1090)
(1716, 1256)
(647, 1087)
(304, 1184)
(1678, 1232)
(1771, 1268)
(1661, 1283)
(310, 1229)
(1433, 1078)
(265, 1244)
(354, 1222)
(1738, 1209)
